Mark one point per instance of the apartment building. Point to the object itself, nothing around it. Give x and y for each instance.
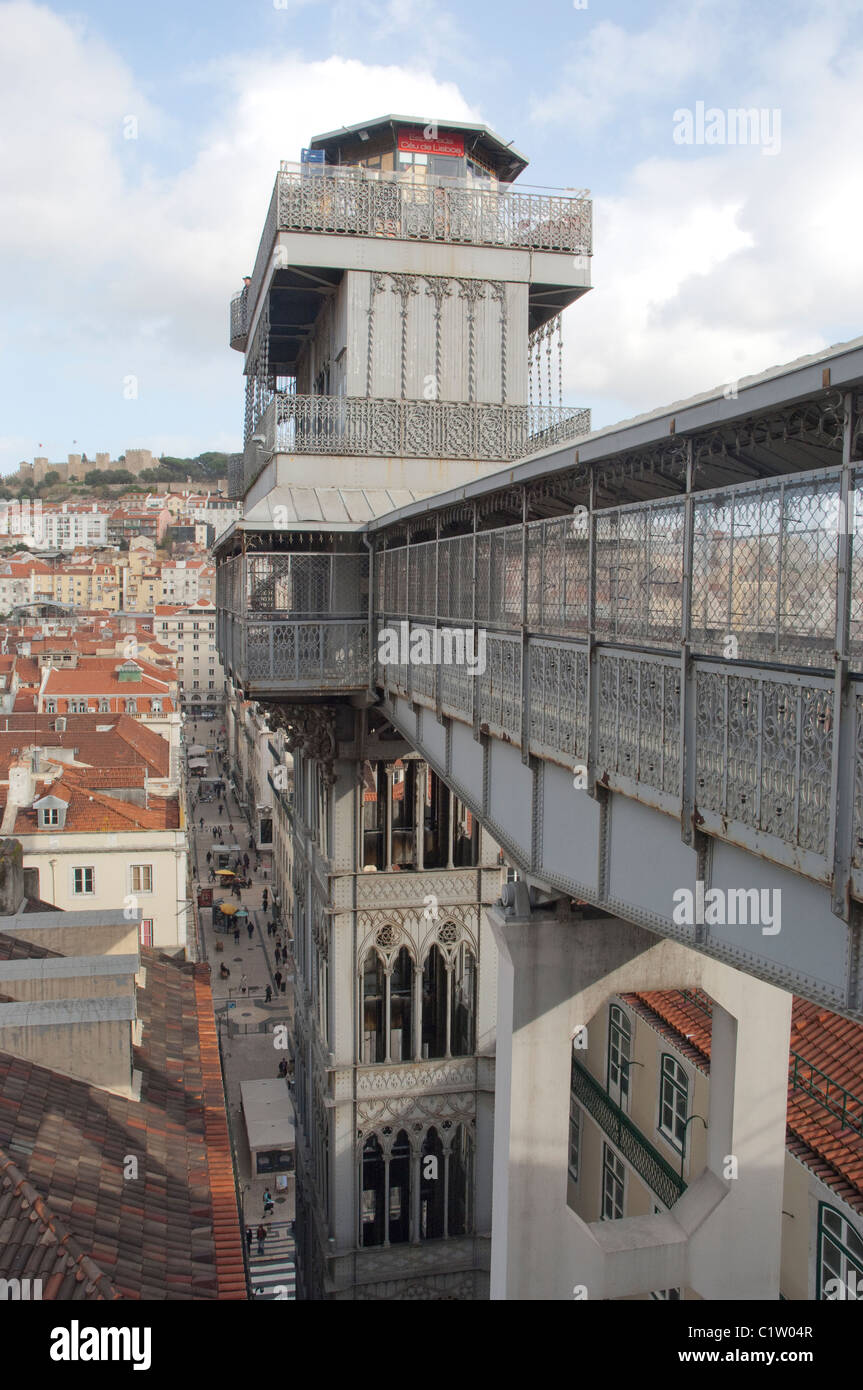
(190, 633)
(99, 839)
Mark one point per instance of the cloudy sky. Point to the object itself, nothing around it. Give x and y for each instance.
(121, 254)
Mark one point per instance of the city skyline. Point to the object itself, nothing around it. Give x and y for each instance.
(117, 306)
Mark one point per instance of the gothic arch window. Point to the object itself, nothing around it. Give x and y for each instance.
(372, 1195)
(399, 1184)
(460, 1183)
(432, 1187)
(401, 1007)
(463, 1010)
(374, 992)
(434, 1004)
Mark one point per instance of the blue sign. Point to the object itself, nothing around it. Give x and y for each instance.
(312, 157)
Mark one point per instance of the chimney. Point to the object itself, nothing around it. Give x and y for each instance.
(22, 787)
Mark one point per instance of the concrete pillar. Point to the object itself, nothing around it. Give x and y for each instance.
(722, 1238)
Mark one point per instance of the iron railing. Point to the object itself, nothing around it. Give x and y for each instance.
(239, 328)
(417, 429)
(630, 1143)
(835, 1099)
(382, 204)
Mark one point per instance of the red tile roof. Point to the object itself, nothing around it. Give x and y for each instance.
(174, 1232)
(90, 811)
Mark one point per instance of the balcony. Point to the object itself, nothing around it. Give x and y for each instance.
(639, 1153)
(239, 330)
(370, 428)
(372, 203)
(294, 622)
(380, 204)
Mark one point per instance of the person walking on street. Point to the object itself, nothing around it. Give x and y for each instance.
(283, 1069)
(221, 809)
(246, 862)
(209, 856)
(262, 1236)
(202, 822)
(249, 1239)
(212, 876)
(278, 956)
(269, 928)
(251, 930)
(268, 994)
(278, 979)
(236, 936)
(265, 900)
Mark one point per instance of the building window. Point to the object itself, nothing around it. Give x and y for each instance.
(50, 816)
(83, 881)
(613, 1184)
(434, 1001)
(131, 706)
(432, 1187)
(460, 1184)
(104, 706)
(840, 1257)
(673, 1102)
(146, 931)
(619, 1055)
(463, 1010)
(50, 706)
(142, 878)
(574, 1137)
(155, 706)
(401, 1010)
(374, 1044)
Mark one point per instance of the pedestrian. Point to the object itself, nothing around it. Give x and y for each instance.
(251, 930)
(231, 826)
(221, 809)
(249, 1239)
(268, 994)
(202, 822)
(278, 979)
(209, 856)
(251, 843)
(268, 1202)
(246, 862)
(262, 1236)
(236, 936)
(212, 876)
(269, 928)
(283, 1069)
(278, 956)
(278, 939)
(265, 900)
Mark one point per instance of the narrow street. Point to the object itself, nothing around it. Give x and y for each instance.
(244, 1017)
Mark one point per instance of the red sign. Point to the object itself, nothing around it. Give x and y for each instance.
(205, 897)
(415, 142)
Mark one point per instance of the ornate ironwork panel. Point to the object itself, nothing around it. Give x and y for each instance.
(500, 687)
(391, 205)
(558, 699)
(412, 429)
(763, 753)
(639, 719)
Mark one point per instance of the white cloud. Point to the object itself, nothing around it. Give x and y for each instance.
(118, 269)
(718, 261)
